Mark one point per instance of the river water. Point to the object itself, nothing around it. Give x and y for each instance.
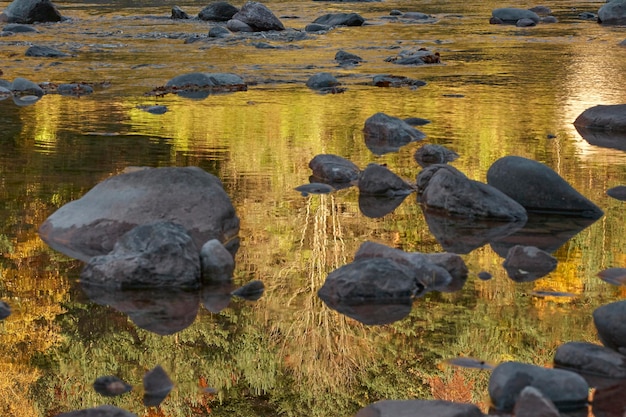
(500, 90)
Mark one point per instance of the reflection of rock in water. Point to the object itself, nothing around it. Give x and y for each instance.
(374, 206)
(528, 263)
(157, 385)
(372, 313)
(163, 311)
(111, 386)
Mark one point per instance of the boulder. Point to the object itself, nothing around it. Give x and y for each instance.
(189, 196)
(217, 263)
(31, 11)
(419, 408)
(340, 19)
(430, 154)
(611, 326)
(157, 385)
(613, 13)
(511, 15)
(528, 263)
(524, 23)
(258, 17)
(384, 134)
(445, 189)
(178, 13)
(333, 169)
(609, 118)
(346, 58)
(379, 180)
(538, 188)
(219, 32)
(322, 81)
(532, 403)
(567, 390)
(151, 255)
(219, 11)
(591, 359)
(235, 25)
(201, 84)
(44, 52)
(101, 411)
(22, 86)
(316, 27)
(618, 192)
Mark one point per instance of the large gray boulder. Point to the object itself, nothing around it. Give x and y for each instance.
(31, 11)
(219, 11)
(567, 390)
(152, 255)
(22, 86)
(613, 13)
(384, 133)
(538, 188)
(511, 15)
(191, 197)
(611, 326)
(419, 408)
(101, 411)
(340, 19)
(609, 118)
(379, 180)
(258, 17)
(591, 359)
(445, 189)
(333, 169)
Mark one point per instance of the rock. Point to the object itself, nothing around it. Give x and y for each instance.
(333, 169)
(588, 16)
(178, 13)
(420, 56)
(613, 13)
(153, 109)
(567, 390)
(523, 23)
(24, 87)
(611, 327)
(322, 81)
(258, 17)
(511, 15)
(549, 19)
(314, 188)
(235, 25)
(316, 27)
(31, 11)
(416, 121)
(252, 291)
(5, 310)
(157, 385)
(18, 28)
(379, 180)
(433, 272)
(187, 196)
(610, 118)
(219, 11)
(419, 408)
(346, 58)
(618, 192)
(102, 411)
(528, 263)
(340, 19)
(444, 188)
(201, 84)
(416, 16)
(74, 89)
(219, 32)
(384, 134)
(396, 81)
(484, 276)
(532, 403)
(591, 359)
(538, 188)
(541, 10)
(430, 154)
(609, 400)
(217, 263)
(151, 255)
(111, 386)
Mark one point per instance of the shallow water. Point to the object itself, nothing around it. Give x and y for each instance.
(500, 90)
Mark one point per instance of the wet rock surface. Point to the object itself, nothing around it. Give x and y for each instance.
(384, 133)
(334, 169)
(419, 408)
(31, 11)
(528, 263)
(379, 180)
(591, 359)
(611, 328)
(219, 11)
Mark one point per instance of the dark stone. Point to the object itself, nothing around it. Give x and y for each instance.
(157, 385)
(376, 206)
(591, 359)
(322, 81)
(484, 276)
(615, 276)
(379, 180)
(416, 16)
(618, 192)
(219, 11)
(567, 390)
(528, 263)
(511, 15)
(588, 16)
(201, 84)
(332, 169)
(340, 19)
(604, 138)
(5, 310)
(415, 57)
(611, 326)
(532, 403)
(235, 25)
(541, 10)
(523, 23)
(445, 189)
(346, 58)
(613, 13)
(316, 27)
(178, 13)
(430, 154)
(258, 17)
(74, 89)
(314, 188)
(419, 408)
(416, 121)
(32, 11)
(609, 400)
(217, 263)
(384, 134)
(155, 109)
(187, 196)
(397, 81)
(610, 118)
(102, 411)
(252, 291)
(111, 386)
(549, 19)
(18, 28)
(538, 188)
(219, 32)
(23, 86)
(152, 255)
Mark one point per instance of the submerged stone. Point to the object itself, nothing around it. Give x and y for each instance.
(111, 386)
